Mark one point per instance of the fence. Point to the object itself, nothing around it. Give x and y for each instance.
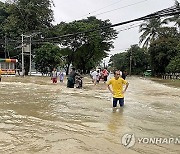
(171, 76)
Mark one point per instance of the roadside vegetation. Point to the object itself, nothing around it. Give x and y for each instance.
(84, 43)
(168, 82)
(158, 49)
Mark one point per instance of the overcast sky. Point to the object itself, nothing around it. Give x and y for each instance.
(115, 10)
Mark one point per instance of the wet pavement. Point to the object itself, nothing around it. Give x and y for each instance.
(37, 116)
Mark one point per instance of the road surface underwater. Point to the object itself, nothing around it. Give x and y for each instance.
(37, 116)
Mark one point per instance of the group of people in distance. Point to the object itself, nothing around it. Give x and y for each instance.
(97, 75)
(54, 76)
(73, 77)
(114, 84)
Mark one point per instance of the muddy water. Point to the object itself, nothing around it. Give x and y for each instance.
(39, 117)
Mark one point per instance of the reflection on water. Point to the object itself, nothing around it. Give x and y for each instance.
(39, 117)
(116, 121)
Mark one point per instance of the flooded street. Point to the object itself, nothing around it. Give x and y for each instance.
(37, 116)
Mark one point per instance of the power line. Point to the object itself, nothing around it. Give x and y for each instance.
(121, 7)
(128, 28)
(101, 8)
(138, 24)
(113, 9)
(165, 12)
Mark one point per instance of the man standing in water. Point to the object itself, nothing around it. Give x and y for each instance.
(71, 78)
(117, 89)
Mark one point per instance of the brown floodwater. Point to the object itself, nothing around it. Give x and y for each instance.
(37, 116)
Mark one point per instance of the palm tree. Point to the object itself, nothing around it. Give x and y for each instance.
(150, 31)
(175, 18)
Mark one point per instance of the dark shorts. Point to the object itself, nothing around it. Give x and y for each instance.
(121, 101)
(105, 78)
(70, 82)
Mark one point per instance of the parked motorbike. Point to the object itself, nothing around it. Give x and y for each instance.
(78, 81)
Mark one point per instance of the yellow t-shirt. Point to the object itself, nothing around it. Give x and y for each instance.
(117, 86)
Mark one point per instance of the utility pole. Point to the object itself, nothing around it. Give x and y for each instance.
(30, 52)
(30, 55)
(130, 63)
(23, 71)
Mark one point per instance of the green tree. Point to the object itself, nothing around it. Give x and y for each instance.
(119, 61)
(139, 63)
(3, 16)
(25, 17)
(140, 59)
(88, 42)
(47, 57)
(175, 18)
(174, 65)
(162, 51)
(28, 15)
(168, 32)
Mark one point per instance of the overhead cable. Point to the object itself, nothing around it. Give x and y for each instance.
(165, 12)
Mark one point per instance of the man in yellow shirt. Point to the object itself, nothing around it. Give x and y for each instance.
(117, 89)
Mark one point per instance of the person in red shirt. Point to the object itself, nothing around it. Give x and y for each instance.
(105, 74)
(54, 76)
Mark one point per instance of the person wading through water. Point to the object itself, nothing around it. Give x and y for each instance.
(54, 76)
(71, 78)
(117, 89)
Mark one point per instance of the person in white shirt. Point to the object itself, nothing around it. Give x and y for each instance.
(94, 75)
(54, 76)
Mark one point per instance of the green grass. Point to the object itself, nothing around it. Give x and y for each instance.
(168, 82)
